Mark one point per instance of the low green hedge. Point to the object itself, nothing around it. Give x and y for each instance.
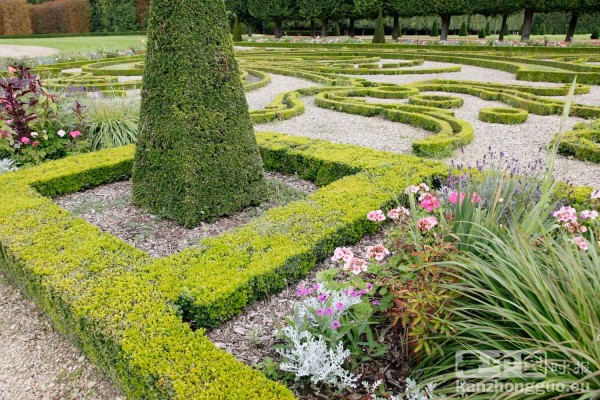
(502, 115)
(582, 144)
(126, 311)
(285, 106)
(438, 101)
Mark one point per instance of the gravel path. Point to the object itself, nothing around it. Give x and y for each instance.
(38, 363)
(17, 51)
(262, 97)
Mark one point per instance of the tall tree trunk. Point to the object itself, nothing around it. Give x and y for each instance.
(324, 27)
(572, 26)
(503, 27)
(351, 28)
(396, 27)
(445, 27)
(278, 29)
(249, 26)
(527, 25)
(313, 28)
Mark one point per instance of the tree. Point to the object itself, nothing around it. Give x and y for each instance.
(595, 34)
(310, 10)
(435, 32)
(481, 34)
(196, 157)
(379, 36)
(237, 30)
(463, 29)
(487, 29)
(240, 9)
(272, 10)
(444, 8)
(118, 15)
(503, 28)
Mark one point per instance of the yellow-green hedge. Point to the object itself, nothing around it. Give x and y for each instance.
(125, 309)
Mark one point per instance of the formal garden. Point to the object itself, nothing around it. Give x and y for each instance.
(211, 215)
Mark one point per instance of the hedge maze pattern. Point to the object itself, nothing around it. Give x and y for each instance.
(338, 73)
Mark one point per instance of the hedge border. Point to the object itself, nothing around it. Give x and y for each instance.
(503, 115)
(581, 144)
(124, 308)
(438, 101)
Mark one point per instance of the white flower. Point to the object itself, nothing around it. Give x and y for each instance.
(34, 134)
(61, 133)
(596, 194)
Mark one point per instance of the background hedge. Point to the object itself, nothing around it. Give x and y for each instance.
(61, 16)
(14, 17)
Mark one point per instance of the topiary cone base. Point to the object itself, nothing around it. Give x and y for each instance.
(196, 157)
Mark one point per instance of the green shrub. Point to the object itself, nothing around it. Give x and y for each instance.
(379, 36)
(481, 34)
(196, 157)
(112, 123)
(582, 144)
(595, 34)
(463, 29)
(435, 31)
(237, 30)
(487, 29)
(500, 115)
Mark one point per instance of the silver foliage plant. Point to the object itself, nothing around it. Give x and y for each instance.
(7, 165)
(308, 356)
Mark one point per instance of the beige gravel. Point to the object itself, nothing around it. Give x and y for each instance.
(16, 51)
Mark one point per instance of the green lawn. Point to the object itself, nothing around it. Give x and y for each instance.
(82, 44)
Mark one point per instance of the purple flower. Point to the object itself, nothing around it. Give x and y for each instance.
(375, 302)
(335, 324)
(328, 311)
(320, 312)
(369, 286)
(339, 306)
(323, 297)
(316, 286)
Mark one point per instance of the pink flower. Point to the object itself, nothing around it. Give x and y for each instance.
(580, 242)
(302, 291)
(416, 189)
(587, 214)
(342, 253)
(565, 214)
(25, 140)
(398, 213)
(4, 134)
(328, 311)
(74, 134)
(320, 312)
(356, 265)
(375, 302)
(323, 297)
(339, 305)
(378, 252)
(376, 216)
(429, 202)
(335, 324)
(595, 195)
(427, 223)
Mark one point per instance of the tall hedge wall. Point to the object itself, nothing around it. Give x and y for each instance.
(61, 16)
(14, 17)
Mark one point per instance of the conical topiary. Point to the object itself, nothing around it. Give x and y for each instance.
(595, 34)
(336, 29)
(434, 29)
(379, 36)
(481, 34)
(196, 157)
(463, 29)
(487, 29)
(237, 30)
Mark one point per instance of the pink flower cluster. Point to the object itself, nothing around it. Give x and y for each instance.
(379, 252)
(589, 214)
(580, 242)
(376, 216)
(351, 263)
(427, 223)
(306, 291)
(429, 202)
(567, 218)
(398, 213)
(422, 187)
(453, 198)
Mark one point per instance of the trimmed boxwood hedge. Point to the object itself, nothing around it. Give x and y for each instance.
(432, 100)
(125, 309)
(582, 144)
(503, 115)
